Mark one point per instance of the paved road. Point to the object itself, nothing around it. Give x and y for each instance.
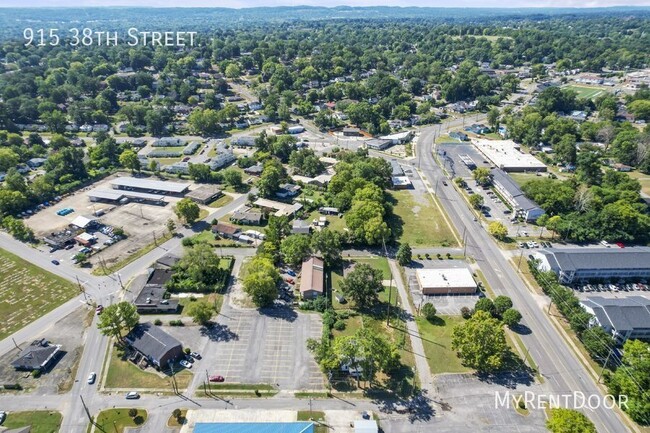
(555, 359)
(101, 290)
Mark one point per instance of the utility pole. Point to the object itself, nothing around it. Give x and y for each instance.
(310, 411)
(207, 378)
(155, 241)
(611, 350)
(83, 403)
(390, 287)
(519, 262)
(82, 289)
(15, 344)
(464, 242)
(119, 278)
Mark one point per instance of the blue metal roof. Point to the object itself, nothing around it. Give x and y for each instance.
(254, 427)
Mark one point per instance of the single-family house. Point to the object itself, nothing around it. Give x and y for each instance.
(157, 346)
(312, 282)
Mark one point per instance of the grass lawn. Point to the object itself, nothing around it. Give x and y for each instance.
(213, 299)
(522, 178)
(333, 221)
(166, 161)
(41, 421)
(305, 415)
(336, 275)
(28, 292)
(644, 180)
(124, 374)
(112, 420)
(402, 380)
(221, 201)
(587, 92)
(437, 344)
(419, 222)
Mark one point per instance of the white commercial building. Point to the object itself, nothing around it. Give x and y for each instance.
(446, 281)
(507, 155)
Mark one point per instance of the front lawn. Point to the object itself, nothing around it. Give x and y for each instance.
(125, 374)
(436, 338)
(115, 420)
(41, 421)
(418, 221)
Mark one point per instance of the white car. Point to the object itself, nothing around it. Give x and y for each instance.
(92, 377)
(132, 395)
(185, 364)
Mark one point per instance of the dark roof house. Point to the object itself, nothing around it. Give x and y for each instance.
(624, 318)
(153, 343)
(37, 356)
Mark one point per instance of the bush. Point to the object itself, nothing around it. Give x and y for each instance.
(192, 298)
(466, 312)
(176, 413)
(176, 323)
(339, 325)
(133, 412)
(36, 374)
(429, 312)
(187, 350)
(157, 322)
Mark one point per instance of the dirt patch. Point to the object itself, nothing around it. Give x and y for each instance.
(69, 333)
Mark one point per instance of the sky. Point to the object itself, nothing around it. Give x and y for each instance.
(329, 3)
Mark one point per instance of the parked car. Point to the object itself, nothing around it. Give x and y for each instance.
(195, 355)
(3, 416)
(69, 247)
(290, 272)
(55, 262)
(132, 395)
(185, 364)
(92, 377)
(189, 359)
(99, 309)
(217, 378)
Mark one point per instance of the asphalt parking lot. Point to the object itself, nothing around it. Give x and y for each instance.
(246, 346)
(469, 405)
(450, 155)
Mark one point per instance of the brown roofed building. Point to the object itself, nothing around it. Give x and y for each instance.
(226, 230)
(312, 282)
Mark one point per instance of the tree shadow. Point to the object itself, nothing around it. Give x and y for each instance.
(218, 332)
(521, 329)
(201, 226)
(514, 372)
(283, 313)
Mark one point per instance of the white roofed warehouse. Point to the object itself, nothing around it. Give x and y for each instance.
(150, 186)
(449, 281)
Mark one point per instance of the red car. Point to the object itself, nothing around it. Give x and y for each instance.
(289, 280)
(216, 379)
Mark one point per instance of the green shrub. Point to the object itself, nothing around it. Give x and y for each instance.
(339, 325)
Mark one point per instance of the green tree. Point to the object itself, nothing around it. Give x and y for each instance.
(118, 319)
(8, 159)
(476, 200)
(485, 304)
(187, 210)
(640, 109)
(498, 230)
(429, 312)
(404, 254)
(171, 226)
(365, 351)
(260, 281)
(295, 249)
(200, 172)
(327, 244)
(200, 312)
(233, 177)
(129, 159)
(501, 304)
(493, 118)
(511, 317)
(482, 176)
(480, 342)
(632, 378)
(569, 421)
(233, 71)
(362, 285)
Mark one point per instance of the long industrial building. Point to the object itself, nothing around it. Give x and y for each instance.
(583, 264)
(119, 196)
(150, 186)
(506, 155)
(514, 196)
